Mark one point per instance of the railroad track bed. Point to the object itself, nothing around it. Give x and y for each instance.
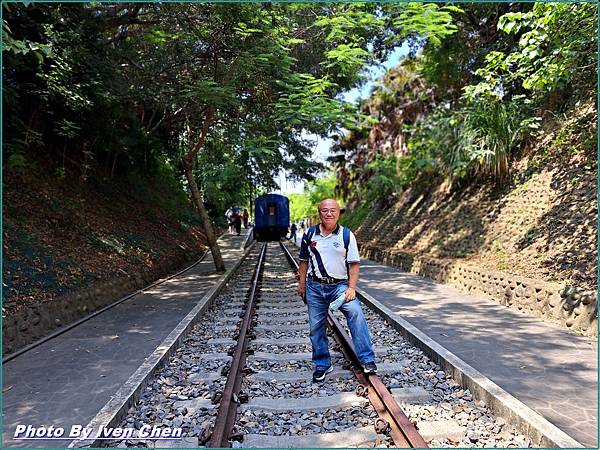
(427, 395)
(186, 391)
(284, 400)
(279, 405)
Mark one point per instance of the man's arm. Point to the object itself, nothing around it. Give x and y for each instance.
(302, 271)
(303, 265)
(353, 271)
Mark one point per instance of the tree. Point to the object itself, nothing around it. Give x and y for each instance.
(305, 204)
(180, 82)
(233, 79)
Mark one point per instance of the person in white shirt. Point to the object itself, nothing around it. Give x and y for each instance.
(329, 268)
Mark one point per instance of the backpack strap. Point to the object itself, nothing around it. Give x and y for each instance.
(309, 234)
(346, 235)
(346, 232)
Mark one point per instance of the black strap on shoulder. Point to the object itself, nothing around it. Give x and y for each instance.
(346, 232)
(346, 235)
(309, 234)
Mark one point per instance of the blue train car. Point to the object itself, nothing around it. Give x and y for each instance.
(272, 217)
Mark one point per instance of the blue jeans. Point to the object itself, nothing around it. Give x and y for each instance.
(318, 298)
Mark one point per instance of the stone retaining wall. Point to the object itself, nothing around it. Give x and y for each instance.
(557, 303)
(38, 320)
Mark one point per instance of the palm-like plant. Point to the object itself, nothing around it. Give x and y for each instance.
(491, 130)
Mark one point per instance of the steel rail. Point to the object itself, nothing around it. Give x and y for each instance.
(402, 430)
(229, 399)
(292, 262)
(289, 255)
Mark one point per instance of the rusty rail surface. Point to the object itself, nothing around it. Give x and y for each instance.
(391, 416)
(401, 429)
(229, 399)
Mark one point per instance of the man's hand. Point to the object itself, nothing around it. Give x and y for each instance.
(353, 269)
(350, 294)
(301, 276)
(301, 289)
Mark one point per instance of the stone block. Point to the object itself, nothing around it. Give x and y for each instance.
(414, 395)
(193, 405)
(335, 401)
(441, 429)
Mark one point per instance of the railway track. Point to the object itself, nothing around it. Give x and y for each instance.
(257, 391)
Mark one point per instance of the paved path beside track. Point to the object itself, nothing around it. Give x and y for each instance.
(68, 379)
(550, 369)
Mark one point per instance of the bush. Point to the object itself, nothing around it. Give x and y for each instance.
(476, 139)
(353, 219)
(389, 176)
(492, 130)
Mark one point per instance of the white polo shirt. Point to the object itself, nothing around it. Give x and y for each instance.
(326, 254)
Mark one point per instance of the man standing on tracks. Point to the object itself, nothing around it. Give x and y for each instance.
(329, 256)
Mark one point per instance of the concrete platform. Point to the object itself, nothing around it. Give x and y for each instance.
(66, 380)
(361, 437)
(299, 375)
(335, 401)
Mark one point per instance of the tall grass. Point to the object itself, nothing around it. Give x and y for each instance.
(477, 139)
(492, 130)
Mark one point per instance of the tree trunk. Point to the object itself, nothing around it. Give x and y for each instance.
(188, 164)
(208, 229)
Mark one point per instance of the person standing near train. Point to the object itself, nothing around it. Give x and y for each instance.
(229, 216)
(293, 231)
(245, 217)
(237, 222)
(328, 271)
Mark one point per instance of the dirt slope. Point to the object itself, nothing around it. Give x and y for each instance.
(543, 225)
(61, 234)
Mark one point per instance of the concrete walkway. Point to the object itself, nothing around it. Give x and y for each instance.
(550, 369)
(67, 380)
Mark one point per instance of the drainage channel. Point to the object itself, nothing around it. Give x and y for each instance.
(277, 404)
